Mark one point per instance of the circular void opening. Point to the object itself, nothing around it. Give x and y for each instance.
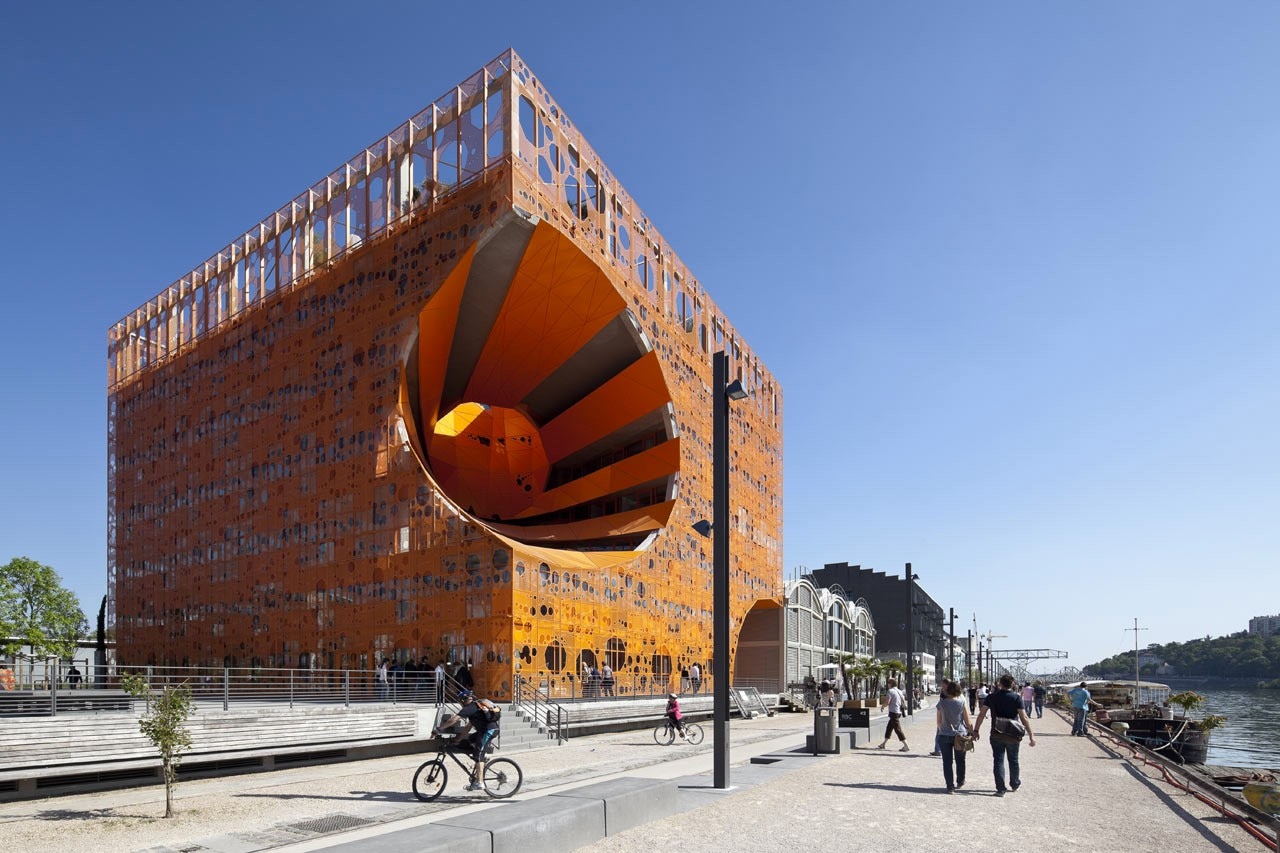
(539, 406)
(488, 459)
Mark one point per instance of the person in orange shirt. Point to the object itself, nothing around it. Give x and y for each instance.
(6, 677)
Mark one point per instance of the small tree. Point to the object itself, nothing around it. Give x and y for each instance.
(164, 724)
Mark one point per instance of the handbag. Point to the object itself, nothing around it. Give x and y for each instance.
(1007, 729)
(964, 743)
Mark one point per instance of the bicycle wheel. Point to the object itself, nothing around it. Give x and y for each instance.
(694, 732)
(429, 781)
(502, 777)
(664, 734)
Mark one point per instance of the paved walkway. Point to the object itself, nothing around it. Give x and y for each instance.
(1075, 796)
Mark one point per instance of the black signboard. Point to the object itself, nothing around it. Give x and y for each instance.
(855, 718)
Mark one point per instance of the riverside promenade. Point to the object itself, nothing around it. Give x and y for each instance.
(1075, 796)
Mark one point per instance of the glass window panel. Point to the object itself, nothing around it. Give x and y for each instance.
(272, 266)
(319, 236)
(378, 200)
(472, 141)
(446, 142)
(357, 213)
(423, 166)
(341, 219)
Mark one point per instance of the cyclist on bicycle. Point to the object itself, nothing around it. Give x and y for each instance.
(673, 714)
(482, 717)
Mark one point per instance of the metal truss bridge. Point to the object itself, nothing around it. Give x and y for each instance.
(1017, 662)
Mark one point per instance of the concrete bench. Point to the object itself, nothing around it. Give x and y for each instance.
(629, 802)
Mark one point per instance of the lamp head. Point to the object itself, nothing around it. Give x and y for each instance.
(735, 391)
(703, 527)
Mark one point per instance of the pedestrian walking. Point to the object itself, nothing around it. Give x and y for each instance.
(1028, 697)
(897, 707)
(1006, 738)
(1039, 690)
(954, 726)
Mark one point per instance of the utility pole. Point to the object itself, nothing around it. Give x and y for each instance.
(1136, 689)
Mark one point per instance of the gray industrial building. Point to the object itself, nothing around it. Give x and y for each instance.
(886, 599)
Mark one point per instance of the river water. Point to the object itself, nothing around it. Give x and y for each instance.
(1251, 737)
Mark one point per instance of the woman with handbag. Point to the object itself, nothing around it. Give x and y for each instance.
(954, 726)
(1009, 724)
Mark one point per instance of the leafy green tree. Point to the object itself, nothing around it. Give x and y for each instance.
(893, 668)
(1240, 655)
(164, 724)
(37, 610)
(875, 671)
(850, 666)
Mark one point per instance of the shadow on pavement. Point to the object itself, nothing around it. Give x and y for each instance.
(909, 789)
(356, 796)
(92, 814)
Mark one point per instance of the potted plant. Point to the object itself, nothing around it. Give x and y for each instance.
(1191, 741)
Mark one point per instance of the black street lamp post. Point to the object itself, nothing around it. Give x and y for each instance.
(951, 647)
(722, 392)
(911, 638)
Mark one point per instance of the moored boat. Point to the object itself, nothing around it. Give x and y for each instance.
(1141, 711)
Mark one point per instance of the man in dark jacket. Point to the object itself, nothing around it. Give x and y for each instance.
(1005, 705)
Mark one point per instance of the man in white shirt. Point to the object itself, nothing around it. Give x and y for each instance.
(897, 703)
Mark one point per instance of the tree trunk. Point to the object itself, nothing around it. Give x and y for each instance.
(170, 776)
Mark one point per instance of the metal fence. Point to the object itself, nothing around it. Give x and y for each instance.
(52, 691)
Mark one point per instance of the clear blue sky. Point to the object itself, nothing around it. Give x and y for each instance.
(1014, 264)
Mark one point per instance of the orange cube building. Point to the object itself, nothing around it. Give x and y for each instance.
(453, 401)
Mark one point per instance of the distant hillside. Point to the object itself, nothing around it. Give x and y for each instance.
(1240, 655)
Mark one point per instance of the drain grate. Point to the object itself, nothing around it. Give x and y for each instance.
(329, 823)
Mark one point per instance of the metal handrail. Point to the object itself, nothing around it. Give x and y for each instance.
(533, 701)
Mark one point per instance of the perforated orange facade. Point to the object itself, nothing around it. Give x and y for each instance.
(454, 400)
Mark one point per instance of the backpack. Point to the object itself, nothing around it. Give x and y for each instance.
(492, 713)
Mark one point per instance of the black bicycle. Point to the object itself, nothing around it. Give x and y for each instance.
(665, 733)
(502, 776)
